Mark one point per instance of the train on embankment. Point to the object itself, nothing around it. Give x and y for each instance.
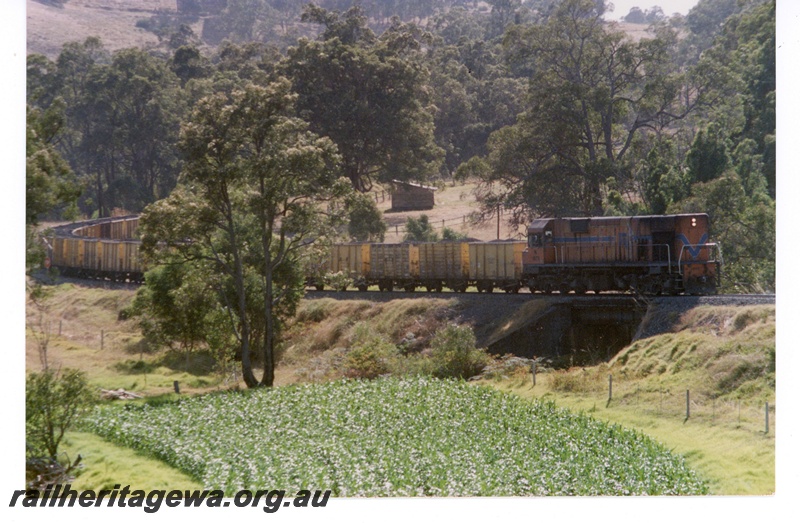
(106, 249)
(669, 254)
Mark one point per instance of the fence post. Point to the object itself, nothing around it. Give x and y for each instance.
(59, 327)
(176, 386)
(533, 372)
(610, 386)
(687, 404)
(102, 338)
(766, 418)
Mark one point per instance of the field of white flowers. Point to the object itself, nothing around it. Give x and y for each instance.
(391, 437)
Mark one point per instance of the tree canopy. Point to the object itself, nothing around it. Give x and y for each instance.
(256, 189)
(367, 94)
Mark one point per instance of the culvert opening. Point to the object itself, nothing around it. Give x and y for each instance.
(577, 333)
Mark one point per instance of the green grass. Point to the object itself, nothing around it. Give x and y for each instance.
(106, 464)
(733, 459)
(389, 437)
(725, 357)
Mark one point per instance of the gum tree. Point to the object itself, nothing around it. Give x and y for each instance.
(257, 187)
(592, 93)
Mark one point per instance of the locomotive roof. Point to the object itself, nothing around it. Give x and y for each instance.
(540, 223)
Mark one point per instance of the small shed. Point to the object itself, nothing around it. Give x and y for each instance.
(409, 196)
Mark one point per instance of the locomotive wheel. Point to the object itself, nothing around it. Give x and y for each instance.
(410, 287)
(362, 287)
(563, 288)
(319, 287)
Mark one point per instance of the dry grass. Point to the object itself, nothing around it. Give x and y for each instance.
(114, 21)
(85, 333)
(320, 337)
(454, 204)
(724, 357)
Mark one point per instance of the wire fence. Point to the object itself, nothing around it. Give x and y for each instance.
(464, 220)
(676, 403)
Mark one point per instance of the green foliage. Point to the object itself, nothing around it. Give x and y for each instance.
(581, 117)
(120, 122)
(420, 230)
(49, 181)
(371, 355)
(708, 157)
(663, 183)
(454, 353)
(54, 402)
(365, 219)
(380, 126)
(389, 437)
(337, 281)
(449, 234)
(255, 180)
(173, 305)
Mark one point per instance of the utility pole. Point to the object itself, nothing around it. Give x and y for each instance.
(498, 221)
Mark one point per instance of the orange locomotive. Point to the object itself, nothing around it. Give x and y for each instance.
(649, 254)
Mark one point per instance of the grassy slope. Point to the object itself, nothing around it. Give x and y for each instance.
(84, 314)
(114, 21)
(107, 464)
(725, 357)
(735, 461)
(735, 456)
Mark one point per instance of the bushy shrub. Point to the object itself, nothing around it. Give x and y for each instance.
(338, 281)
(366, 220)
(454, 354)
(372, 355)
(420, 230)
(53, 403)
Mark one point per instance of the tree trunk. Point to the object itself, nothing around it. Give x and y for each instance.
(268, 379)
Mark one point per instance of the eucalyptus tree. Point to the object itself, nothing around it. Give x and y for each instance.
(120, 125)
(256, 189)
(592, 92)
(367, 94)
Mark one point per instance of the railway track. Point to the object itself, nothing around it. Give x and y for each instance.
(524, 296)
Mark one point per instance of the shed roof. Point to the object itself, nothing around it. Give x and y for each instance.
(412, 184)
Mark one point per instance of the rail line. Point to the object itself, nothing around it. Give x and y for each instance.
(107, 250)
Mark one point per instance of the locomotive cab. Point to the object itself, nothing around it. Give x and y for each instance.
(540, 249)
(698, 259)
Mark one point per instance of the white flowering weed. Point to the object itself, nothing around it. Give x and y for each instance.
(393, 437)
